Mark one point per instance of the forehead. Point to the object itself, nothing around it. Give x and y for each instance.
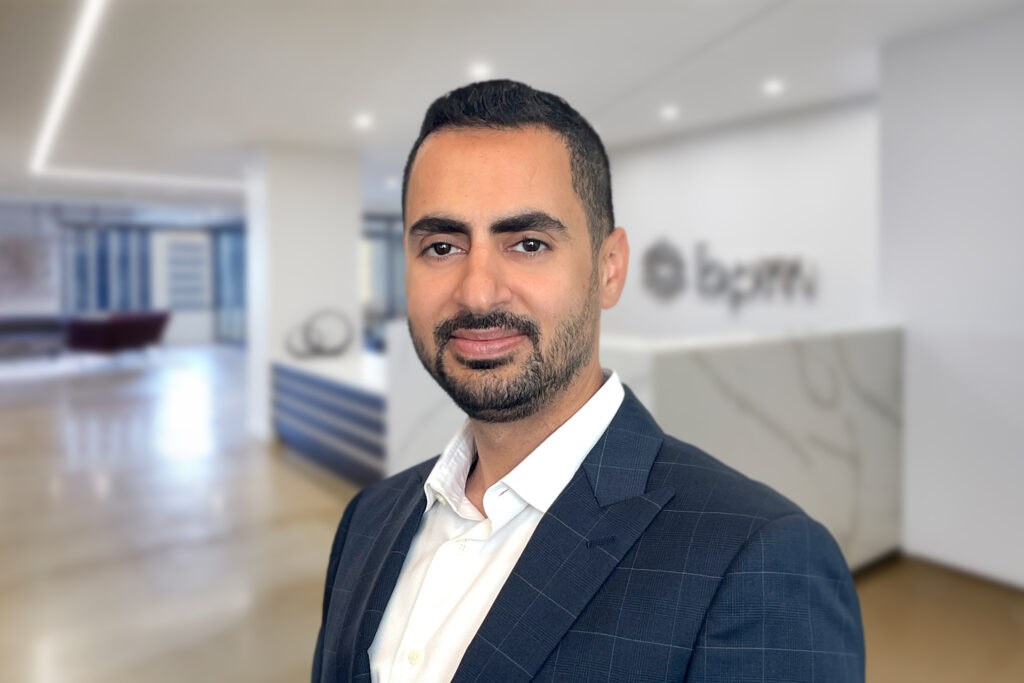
(483, 172)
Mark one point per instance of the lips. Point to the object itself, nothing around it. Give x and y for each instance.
(485, 343)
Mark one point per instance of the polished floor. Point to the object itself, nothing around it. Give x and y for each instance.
(143, 537)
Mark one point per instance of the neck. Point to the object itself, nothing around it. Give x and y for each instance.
(501, 446)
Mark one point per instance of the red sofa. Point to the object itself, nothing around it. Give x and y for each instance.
(115, 332)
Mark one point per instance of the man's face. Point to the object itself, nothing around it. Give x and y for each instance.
(503, 294)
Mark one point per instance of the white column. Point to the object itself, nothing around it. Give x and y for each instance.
(304, 225)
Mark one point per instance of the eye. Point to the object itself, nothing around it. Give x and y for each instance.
(441, 249)
(530, 246)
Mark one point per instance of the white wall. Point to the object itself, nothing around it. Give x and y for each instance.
(801, 185)
(952, 234)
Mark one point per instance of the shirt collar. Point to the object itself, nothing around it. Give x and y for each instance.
(447, 479)
(542, 475)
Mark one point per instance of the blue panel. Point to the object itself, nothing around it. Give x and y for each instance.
(336, 430)
(340, 462)
(124, 275)
(372, 424)
(229, 274)
(375, 401)
(102, 271)
(81, 272)
(143, 257)
(219, 271)
(238, 267)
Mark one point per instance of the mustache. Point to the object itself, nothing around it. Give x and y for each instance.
(469, 321)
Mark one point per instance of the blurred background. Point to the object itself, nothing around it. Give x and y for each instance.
(203, 352)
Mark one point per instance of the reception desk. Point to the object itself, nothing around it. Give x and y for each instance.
(334, 411)
(817, 416)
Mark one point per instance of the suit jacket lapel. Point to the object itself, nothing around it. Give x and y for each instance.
(581, 539)
(383, 564)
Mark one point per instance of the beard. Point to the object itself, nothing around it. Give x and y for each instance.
(495, 396)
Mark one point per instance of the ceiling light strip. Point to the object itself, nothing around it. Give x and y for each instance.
(82, 40)
(150, 179)
(78, 51)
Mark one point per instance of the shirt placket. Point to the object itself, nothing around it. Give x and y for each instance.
(437, 599)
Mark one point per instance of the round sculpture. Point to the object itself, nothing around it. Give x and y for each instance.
(326, 333)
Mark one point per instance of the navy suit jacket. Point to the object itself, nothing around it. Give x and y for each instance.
(656, 563)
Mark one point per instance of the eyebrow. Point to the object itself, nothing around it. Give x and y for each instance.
(530, 220)
(432, 225)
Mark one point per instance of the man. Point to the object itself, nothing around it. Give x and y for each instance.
(560, 536)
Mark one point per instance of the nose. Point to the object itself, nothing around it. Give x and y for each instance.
(483, 286)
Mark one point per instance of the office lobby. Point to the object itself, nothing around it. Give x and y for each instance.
(204, 351)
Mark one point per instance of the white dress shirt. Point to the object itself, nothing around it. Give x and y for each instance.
(460, 558)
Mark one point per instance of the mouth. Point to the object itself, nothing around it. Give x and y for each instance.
(485, 343)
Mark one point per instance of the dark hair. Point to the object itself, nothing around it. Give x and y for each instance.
(510, 104)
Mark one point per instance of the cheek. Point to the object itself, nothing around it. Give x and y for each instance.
(558, 296)
(424, 305)
(420, 322)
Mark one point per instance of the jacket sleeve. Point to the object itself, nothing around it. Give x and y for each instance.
(332, 568)
(786, 609)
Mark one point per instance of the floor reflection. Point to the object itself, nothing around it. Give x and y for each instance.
(143, 536)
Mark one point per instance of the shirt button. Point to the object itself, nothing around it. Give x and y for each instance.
(415, 656)
(462, 546)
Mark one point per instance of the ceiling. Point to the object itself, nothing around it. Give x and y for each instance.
(196, 87)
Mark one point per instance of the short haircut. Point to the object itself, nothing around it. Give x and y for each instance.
(502, 104)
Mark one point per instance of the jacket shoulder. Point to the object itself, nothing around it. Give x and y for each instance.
(704, 483)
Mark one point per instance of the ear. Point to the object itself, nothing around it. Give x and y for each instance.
(613, 262)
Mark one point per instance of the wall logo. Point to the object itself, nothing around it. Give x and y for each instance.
(668, 275)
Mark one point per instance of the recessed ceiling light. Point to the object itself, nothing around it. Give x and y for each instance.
(773, 87)
(363, 121)
(669, 112)
(480, 71)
